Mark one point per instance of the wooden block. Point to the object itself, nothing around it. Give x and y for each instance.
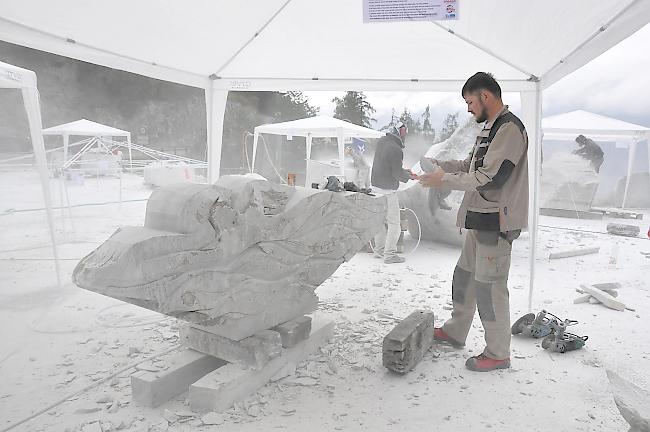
(254, 351)
(593, 300)
(220, 389)
(294, 331)
(604, 298)
(574, 252)
(406, 344)
(152, 389)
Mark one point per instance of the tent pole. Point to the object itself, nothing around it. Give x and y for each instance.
(308, 165)
(340, 138)
(66, 143)
(215, 104)
(32, 107)
(531, 103)
(256, 137)
(631, 155)
(128, 137)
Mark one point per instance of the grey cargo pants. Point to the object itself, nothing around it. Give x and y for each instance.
(480, 279)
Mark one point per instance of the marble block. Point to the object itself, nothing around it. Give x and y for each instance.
(240, 256)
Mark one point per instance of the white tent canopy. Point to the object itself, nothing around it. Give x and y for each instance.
(87, 128)
(279, 45)
(598, 127)
(25, 80)
(316, 127)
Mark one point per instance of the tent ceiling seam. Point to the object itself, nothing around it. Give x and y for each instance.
(531, 77)
(102, 50)
(248, 42)
(600, 30)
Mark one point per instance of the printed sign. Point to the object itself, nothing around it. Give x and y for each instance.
(409, 10)
(14, 76)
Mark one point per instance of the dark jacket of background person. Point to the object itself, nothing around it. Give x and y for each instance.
(387, 169)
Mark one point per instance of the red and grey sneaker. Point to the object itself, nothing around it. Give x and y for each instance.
(440, 335)
(481, 363)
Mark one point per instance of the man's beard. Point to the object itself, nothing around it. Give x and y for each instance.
(482, 117)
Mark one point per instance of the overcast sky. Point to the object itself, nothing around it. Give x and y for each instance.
(616, 84)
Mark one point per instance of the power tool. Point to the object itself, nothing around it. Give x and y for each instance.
(538, 326)
(562, 341)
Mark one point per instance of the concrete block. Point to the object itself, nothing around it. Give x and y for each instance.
(152, 389)
(220, 389)
(294, 331)
(407, 343)
(254, 351)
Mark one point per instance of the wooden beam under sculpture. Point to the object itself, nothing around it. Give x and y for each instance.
(239, 256)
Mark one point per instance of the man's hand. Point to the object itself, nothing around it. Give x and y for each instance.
(433, 179)
(413, 175)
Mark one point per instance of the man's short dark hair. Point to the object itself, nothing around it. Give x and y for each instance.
(482, 81)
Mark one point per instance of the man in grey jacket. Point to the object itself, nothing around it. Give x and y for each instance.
(494, 210)
(387, 173)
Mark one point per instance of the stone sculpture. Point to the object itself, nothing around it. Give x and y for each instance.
(437, 221)
(237, 257)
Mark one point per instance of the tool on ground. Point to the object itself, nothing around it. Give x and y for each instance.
(562, 341)
(538, 326)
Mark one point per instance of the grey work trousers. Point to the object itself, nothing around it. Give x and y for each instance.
(480, 280)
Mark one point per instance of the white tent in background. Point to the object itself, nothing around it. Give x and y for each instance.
(280, 45)
(598, 127)
(25, 80)
(316, 127)
(87, 128)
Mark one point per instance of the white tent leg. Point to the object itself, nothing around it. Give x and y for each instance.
(256, 138)
(631, 155)
(215, 104)
(128, 138)
(531, 103)
(32, 107)
(66, 143)
(308, 161)
(341, 144)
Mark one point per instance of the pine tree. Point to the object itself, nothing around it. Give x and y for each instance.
(450, 125)
(427, 130)
(354, 107)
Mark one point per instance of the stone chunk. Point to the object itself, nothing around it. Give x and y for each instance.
(604, 298)
(254, 351)
(294, 331)
(407, 343)
(152, 389)
(574, 252)
(220, 389)
(632, 401)
(623, 229)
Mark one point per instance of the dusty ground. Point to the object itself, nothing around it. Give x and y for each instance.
(58, 341)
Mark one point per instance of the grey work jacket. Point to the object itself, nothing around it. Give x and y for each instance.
(494, 177)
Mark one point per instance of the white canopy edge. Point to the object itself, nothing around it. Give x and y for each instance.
(20, 34)
(85, 127)
(600, 133)
(622, 25)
